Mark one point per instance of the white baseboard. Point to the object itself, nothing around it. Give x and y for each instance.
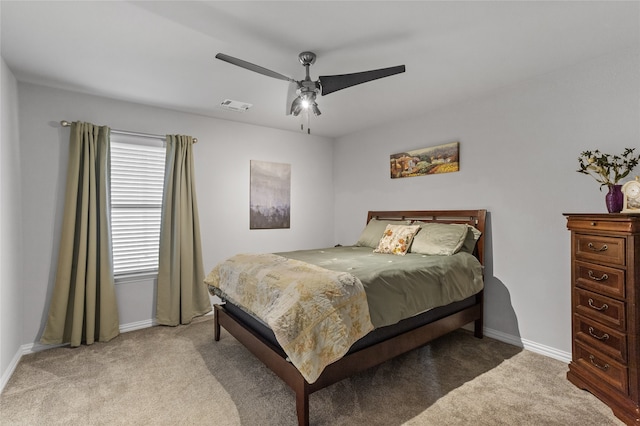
(529, 345)
(138, 325)
(6, 375)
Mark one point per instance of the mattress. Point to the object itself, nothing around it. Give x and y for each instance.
(403, 292)
(373, 337)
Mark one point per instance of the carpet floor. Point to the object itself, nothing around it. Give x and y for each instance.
(180, 376)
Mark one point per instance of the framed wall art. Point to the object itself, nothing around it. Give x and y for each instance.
(270, 195)
(426, 161)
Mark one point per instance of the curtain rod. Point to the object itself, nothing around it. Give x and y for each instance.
(65, 123)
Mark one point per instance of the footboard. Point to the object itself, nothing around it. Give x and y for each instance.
(352, 363)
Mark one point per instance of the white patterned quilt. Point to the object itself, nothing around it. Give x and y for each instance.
(316, 314)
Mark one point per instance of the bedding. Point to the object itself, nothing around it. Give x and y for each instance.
(473, 235)
(398, 287)
(315, 313)
(371, 234)
(440, 239)
(396, 239)
(319, 302)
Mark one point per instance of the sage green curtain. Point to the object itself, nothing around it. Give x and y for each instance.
(182, 295)
(83, 305)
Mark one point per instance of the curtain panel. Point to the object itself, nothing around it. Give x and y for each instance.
(181, 294)
(83, 305)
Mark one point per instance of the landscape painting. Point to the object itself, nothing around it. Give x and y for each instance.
(426, 161)
(270, 195)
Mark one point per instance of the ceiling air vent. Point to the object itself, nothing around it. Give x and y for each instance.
(235, 105)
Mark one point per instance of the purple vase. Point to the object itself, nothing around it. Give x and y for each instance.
(614, 199)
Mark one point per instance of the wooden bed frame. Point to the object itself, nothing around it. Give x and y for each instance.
(274, 358)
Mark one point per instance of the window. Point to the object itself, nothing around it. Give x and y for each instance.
(137, 179)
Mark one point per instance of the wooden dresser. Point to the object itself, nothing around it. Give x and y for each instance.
(605, 300)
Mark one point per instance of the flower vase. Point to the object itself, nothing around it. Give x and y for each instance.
(614, 199)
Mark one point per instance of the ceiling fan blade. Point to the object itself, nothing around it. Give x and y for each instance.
(252, 67)
(333, 83)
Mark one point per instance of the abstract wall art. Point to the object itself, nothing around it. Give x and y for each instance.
(270, 195)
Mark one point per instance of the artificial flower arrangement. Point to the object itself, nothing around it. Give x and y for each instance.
(606, 168)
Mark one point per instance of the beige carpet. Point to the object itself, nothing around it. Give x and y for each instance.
(180, 376)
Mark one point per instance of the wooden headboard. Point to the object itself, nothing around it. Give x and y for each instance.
(476, 218)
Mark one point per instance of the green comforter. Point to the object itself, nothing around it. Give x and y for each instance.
(399, 287)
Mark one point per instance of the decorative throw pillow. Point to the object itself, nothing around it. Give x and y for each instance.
(473, 235)
(439, 238)
(370, 236)
(397, 239)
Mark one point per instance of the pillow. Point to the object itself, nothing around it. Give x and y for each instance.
(370, 236)
(473, 235)
(439, 238)
(396, 239)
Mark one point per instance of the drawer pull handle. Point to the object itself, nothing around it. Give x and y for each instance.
(602, 278)
(605, 336)
(598, 308)
(601, 367)
(603, 248)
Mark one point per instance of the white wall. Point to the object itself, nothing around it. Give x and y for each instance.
(11, 290)
(518, 149)
(222, 157)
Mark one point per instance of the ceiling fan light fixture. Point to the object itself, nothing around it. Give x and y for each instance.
(296, 107)
(315, 109)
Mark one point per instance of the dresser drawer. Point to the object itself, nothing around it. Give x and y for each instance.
(606, 310)
(592, 224)
(601, 279)
(605, 339)
(602, 366)
(598, 248)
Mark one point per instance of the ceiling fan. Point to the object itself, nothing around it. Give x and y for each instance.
(307, 89)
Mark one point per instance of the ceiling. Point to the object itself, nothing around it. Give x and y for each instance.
(161, 53)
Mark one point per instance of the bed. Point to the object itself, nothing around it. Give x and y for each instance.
(393, 334)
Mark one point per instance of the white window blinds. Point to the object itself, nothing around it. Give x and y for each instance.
(137, 179)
